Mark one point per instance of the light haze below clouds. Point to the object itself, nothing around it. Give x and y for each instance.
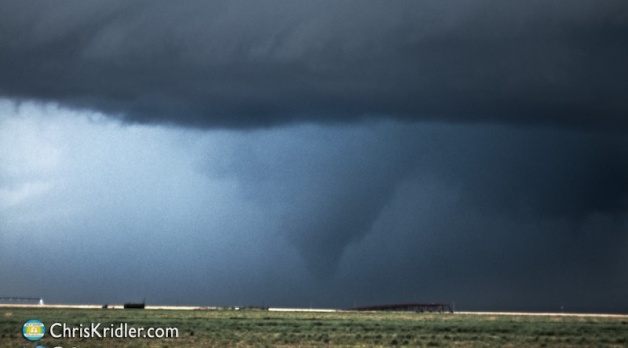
(93, 210)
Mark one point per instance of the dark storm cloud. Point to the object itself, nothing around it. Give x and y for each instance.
(541, 173)
(250, 64)
(503, 218)
(494, 196)
(524, 192)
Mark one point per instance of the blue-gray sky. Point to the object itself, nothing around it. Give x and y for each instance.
(325, 154)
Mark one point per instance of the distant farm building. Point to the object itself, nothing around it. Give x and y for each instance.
(409, 307)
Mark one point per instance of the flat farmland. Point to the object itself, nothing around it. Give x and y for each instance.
(229, 328)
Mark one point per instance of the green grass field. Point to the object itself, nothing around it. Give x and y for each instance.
(208, 328)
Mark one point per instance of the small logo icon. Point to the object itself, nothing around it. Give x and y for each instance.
(33, 330)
